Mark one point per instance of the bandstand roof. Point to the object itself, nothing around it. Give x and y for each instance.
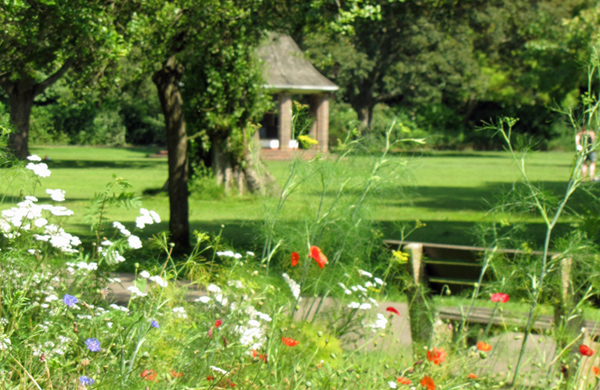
(287, 69)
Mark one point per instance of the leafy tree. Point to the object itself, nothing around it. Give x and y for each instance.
(212, 38)
(41, 40)
(205, 49)
(407, 50)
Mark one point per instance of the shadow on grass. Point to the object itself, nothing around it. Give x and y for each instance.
(478, 199)
(121, 164)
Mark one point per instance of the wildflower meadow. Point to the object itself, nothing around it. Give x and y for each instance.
(323, 305)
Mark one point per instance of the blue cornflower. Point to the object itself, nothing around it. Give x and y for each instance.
(86, 380)
(154, 324)
(70, 300)
(93, 345)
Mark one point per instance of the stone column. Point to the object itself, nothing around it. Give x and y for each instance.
(314, 112)
(285, 120)
(321, 103)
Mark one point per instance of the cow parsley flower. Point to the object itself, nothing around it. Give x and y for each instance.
(134, 242)
(4, 343)
(136, 292)
(219, 370)
(294, 287)
(179, 312)
(203, 299)
(40, 169)
(158, 280)
(56, 195)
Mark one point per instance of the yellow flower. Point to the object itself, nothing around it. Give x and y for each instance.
(307, 141)
(400, 256)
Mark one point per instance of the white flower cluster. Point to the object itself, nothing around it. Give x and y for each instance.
(218, 293)
(179, 312)
(219, 370)
(119, 226)
(146, 218)
(56, 195)
(28, 212)
(59, 239)
(134, 242)
(229, 254)
(253, 333)
(136, 292)
(380, 323)
(295, 287)
(119, 308)
(81, 266)
(158, 280)
(39, 169)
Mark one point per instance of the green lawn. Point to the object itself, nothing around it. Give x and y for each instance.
(448, 191)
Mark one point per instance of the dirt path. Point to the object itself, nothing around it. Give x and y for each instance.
(500, 362)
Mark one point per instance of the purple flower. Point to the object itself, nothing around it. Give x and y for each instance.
(93, 345)
(69, 300)
(154, 324)
(85, 380)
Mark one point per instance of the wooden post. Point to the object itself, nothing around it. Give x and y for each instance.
(566, 328)
(420, 305)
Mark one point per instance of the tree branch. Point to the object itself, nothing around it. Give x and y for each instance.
(40, 87)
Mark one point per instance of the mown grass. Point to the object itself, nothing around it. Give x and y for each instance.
(449, 192)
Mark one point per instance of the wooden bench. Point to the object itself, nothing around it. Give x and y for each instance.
(455, 268)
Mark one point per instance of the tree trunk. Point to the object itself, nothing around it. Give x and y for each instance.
(257, 176)
(20, 97)
(21, 94)
(365, 117)
(250, 174)
(363, 104)
(167, 81)
(223, 166)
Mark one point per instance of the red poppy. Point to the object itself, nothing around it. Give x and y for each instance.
(261, 356)
(218, 323)
(392, 310)
(483, 346)
(289, 342)
(585, 350)
(472, 376)
(428, 383)
(148, 375)
(318, 256)
(500, 297)
(176, 374)
(436, 356)
(403, 381)
(596, 370)
(295, 258)
(210, 378)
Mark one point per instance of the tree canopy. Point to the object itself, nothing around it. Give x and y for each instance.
(41, 40)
